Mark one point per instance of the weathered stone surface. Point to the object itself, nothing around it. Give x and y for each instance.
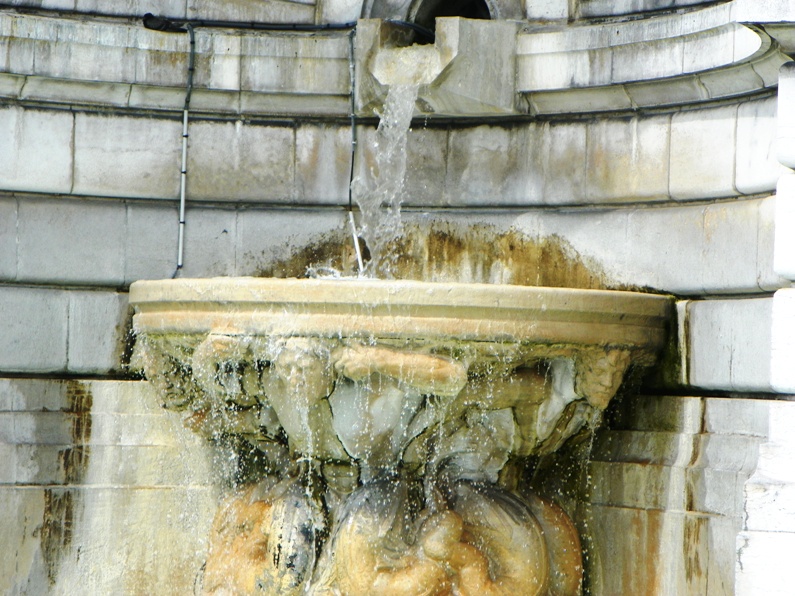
(730, 344)
(628, 159)
(322, 164)
(209, 242)
(36, 154)
(80, 241)
(150, 250)
(257, 162)
(702, 154)
(98, 328)
(784, 244)
(756, 167)
(34, 322)
(783, 341)
(127, 157)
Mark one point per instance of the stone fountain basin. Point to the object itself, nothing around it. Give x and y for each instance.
(376, 309)
(300, 354)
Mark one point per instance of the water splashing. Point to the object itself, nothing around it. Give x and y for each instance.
(379, 193)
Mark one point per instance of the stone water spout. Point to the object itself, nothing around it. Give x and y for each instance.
(391, 413)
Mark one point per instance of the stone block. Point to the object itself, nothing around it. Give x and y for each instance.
(784, 242)
(703, 146)
(322, 164)
(785, 127)
(757, 168)
(287, 11)
(339, 11)
(11, 84)
(565, 167)
(426, 167)
(268, 240)
(598, 99)
(762, 558)
(34, 324)
(241, 162)
(22, 569)
(8, 238)
(66, 91)
(75, 241)
(736, 416)
(151, 240)
(782, 353)
(776, 454)
(769, 279)
(627, 159)
(667, 92)
(37, 151)
(652, 59)
(547, 9)
(98, 328)
(302, 65)
(209, 242)
(729, 344)
(487, 166)
(117, 156)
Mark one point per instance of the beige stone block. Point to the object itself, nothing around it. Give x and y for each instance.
(565, 168)
(322, 164)
(703, 146)
(118, 156)
(234, 161)
(209, 242)
(36, 154)
(98, 331)
(34, 324)
(627, 159)
(76, 241)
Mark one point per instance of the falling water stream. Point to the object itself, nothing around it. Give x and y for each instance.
(379, 192)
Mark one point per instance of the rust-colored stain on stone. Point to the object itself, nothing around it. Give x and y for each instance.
(61, 504)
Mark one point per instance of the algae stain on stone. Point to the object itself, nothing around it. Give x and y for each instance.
(456, 253)
(62, 505)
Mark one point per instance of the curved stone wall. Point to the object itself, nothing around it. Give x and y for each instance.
(653, 150)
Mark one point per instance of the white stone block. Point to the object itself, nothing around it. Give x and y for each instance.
(36, 152)
(34, 323)
(547, 9)
(75, 241)
(241, 162)
(486, 166)
(769, 279)
(151, 242)
(729, 344)
(209, 242)
(117, 156)
(757, 168)
(784, 245)
(783, 341)
(661, 413)
(703, 146)
(97, 331)
(8, 238)
(302, 65)
(565, 168)
(289, 11)
(339, 11)
(322, 164)
(763, 563)
(627, 159)
(426, 167)
(785, 133)
(736, 416)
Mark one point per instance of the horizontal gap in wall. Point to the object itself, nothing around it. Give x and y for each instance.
(715, 393)
(342, 203)
(426, 121)
(67, 376)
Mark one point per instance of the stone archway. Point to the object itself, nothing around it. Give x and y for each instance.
(425, 11)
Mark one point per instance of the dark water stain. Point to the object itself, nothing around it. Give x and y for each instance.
(62, 505)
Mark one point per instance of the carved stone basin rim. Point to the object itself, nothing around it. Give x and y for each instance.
(400, 309)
